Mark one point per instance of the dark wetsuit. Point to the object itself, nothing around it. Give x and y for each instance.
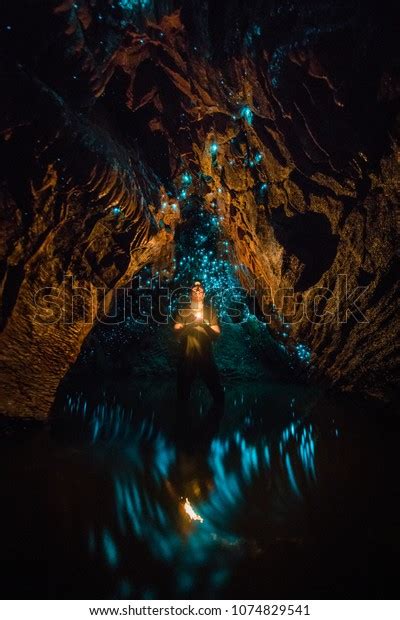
(196, 354)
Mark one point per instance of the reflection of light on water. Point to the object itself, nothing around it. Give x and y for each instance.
(191, 513)
(110, 549)
(104, 421)
(261, 475)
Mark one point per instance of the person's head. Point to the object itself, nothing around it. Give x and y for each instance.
(197, 292)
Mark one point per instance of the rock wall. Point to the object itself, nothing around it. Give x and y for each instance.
(286, 116)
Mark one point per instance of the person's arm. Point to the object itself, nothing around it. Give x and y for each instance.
(182, 330)
(212, 328)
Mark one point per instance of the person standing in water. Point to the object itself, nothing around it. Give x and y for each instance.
(197, 327)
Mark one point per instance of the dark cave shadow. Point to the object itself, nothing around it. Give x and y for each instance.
(193, 432)
(309, 237)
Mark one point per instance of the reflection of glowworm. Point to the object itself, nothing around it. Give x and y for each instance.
(104, 421)
(246, 477)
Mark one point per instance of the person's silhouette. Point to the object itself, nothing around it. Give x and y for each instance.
(196, 327)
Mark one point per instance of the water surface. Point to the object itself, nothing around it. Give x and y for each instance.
(287, 493)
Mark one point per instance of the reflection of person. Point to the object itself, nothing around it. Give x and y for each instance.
(197, 327)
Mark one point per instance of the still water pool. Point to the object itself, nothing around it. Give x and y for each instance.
(286, 493)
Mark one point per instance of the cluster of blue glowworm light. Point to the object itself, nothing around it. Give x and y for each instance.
(202, 252)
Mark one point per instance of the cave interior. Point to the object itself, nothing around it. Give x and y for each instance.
(146, 144)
